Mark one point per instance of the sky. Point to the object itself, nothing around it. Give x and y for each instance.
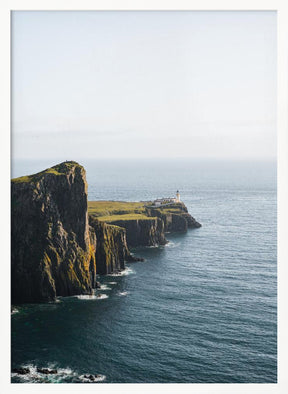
(146, 84)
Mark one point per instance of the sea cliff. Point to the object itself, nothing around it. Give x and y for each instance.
(111, 247)
(52, 247)
(145, 224)
(60, 241)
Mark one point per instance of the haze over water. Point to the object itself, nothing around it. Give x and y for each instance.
(202, 309)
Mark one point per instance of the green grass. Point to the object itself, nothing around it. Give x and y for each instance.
(108, 208)
(114, 211)
(59, 169)
(126, 217)
(172, 210)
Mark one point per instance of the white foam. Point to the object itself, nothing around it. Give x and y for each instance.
(14, 310)
(92, 297)
(125, 272)
(112, 283)
(105, 287)
(62, 373)
(172, 244)
(99, 378)
(37, 377)
(123, 293)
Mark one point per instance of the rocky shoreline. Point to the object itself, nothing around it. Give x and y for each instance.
(34, 374)
(59, 244)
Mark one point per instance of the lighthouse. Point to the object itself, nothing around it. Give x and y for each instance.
(177, 196)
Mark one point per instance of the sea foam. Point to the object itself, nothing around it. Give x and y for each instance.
(92, 297)
(105, 287)
(63, 375)
(126, 271)
(123, 293)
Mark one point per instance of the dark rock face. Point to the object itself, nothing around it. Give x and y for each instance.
(47, 371)
(178, 221)
(111, 248)
(21, 371)
(191, 222)
(53, 249)
(146, 232)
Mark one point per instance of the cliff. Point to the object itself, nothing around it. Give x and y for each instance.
(52, 245)
(143, 232)
(111, 247)
(145, 224)
(175, 217)
(55, 244)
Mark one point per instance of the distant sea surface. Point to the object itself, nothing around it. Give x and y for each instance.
(202, 309)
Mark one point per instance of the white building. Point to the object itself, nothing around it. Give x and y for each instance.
(167, 200)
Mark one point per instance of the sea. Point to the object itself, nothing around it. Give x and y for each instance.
(201, 309)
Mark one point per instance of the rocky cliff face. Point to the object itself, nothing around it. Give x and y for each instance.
(111, 250)
(143, 232)
(176, 218)
(53, 249)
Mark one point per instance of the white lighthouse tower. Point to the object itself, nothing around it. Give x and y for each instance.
(177, 196)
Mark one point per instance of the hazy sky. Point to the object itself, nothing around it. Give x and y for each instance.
(144, 84)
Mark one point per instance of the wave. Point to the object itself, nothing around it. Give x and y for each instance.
(14, 311)
(92, 297)
(123, 293)
(125, 272)
(172, 244)
(88, 378)
(112, 283)
(57, 300)
(33, 374)
(105, 287)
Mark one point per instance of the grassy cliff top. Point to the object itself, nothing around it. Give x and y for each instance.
(107, 208)
(59, 169)
(112, 211)
(126, 217)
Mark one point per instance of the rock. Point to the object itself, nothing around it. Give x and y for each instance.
(53, 246)
(143, 232)
(47, 371)
(175, 217)
(21, 371)
(111, 248)
(134, 259)
(192, 223)
(91, 378)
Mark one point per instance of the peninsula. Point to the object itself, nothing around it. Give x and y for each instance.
(60, 240)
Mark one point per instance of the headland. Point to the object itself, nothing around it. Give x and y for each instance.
(61, 241)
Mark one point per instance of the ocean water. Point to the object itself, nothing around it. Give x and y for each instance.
(201, 309)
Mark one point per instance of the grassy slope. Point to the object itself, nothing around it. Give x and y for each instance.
(110, 211)
(106, 208)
